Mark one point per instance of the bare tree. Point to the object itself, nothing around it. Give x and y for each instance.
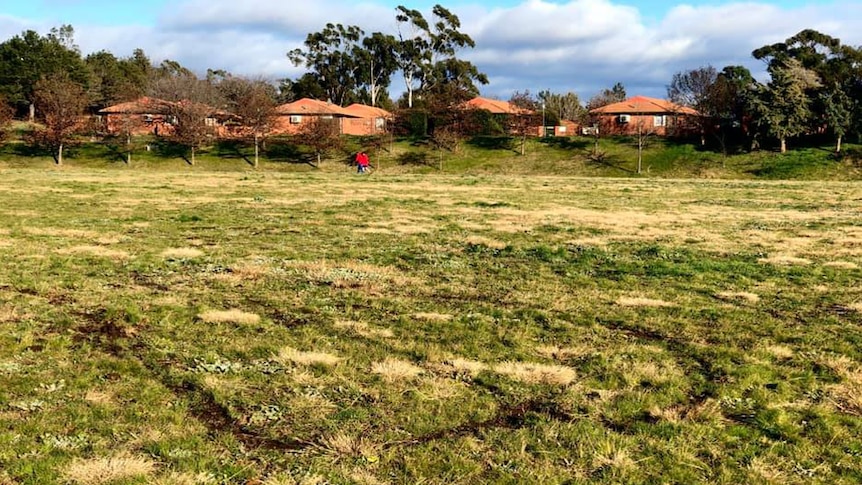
(189, 109)
(322, 135)
(60, 102)
(523, 121)
(642, 136)
(255, 106)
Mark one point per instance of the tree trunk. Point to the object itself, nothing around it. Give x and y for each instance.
(128, 148)
(60, 155)
(193, 155)
(32, 112)
(838, 145)
(256, 150)
(523, 145)
(783, 144)
(318, 159)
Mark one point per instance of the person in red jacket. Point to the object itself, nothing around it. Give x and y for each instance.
(361, 162)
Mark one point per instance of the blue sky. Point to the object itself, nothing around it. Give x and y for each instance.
(574, 45)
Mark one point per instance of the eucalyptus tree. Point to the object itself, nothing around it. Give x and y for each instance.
(333, 58)
(427, 53)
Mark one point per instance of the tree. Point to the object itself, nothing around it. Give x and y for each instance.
(697, 89)
(29, 57)
(838, 112)
(427, 53)
(333, 58)
(60, 101)
(113, 80)
(615, 94)
(6, 114)
(322, 135)
(523, 121)
(253, 102)
(783, 108)
(189, 107)
(561, 107)
(377, 63)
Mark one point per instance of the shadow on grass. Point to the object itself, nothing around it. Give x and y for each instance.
(566, 142)
(285, 152)
(231, 149)
(602, 159)
(492, 142)
(169, 149)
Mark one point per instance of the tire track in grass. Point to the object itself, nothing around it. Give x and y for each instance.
(109, 333)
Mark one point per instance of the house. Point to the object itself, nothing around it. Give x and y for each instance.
(642, 114)
(370, 120)
(501, 117)
(139, 117)
(292, 117)
(146, 115)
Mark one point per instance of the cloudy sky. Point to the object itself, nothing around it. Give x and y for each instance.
(578, 45)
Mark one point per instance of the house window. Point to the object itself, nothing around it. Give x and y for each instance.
(295, 119)
(147, 118)
(210, 122)
(326, 117)
(625, 118)
(379, 123)
(659, 120)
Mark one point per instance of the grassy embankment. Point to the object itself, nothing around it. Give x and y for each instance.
(177, 328)
(552, 156)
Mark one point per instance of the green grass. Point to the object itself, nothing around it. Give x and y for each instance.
(574, 156)
(427, 328)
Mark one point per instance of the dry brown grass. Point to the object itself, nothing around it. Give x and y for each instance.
(229, 316)
(557, 352)
(364, 330)
(534, 373)
(466, 366)
(739, 295)
(95, 251)
(56, 232)
(779, 351)
(485, 241)
(639, 301)
(432, 317)
(784, 260)
(396, 370)
(856, 306)
(289, 354)
(96, 471)
(182, 253)
(841, 264)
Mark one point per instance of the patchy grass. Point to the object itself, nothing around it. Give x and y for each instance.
(187, 326)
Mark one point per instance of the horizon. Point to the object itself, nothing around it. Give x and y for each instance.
(582, 46)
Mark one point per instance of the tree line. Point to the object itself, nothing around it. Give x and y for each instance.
(814, 88)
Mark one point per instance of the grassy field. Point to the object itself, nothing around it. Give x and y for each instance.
(190, 327)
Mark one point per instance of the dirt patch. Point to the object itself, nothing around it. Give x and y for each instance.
(99, 251)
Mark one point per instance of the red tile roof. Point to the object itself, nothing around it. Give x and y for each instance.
(495, 106)
(365, 111)
(645, 105)
(308, 106)
(144, 105)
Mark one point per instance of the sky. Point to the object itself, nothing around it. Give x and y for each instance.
(582, 46)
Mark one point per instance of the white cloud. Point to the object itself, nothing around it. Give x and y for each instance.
(580, 45)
